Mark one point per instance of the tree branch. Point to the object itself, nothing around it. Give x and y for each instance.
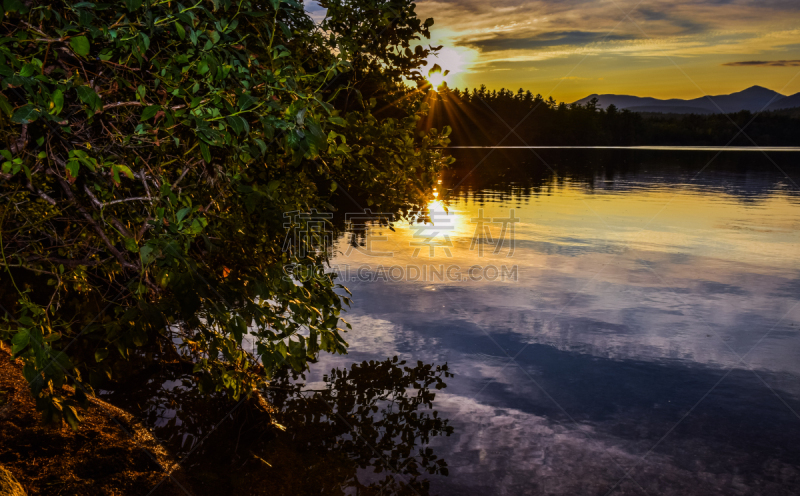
(183, 174)
(19, 145)
(138, 104)
(117, 254)
(40, 193)
(123, 200)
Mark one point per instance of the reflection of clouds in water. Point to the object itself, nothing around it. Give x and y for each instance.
(379, 340)
(507, 451)
(642, 321)
(627, 329)
(611, 318)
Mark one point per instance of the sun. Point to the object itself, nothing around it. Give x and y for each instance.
(436, 79)
(452, 63)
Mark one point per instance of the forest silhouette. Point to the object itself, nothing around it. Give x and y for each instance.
(480, 117)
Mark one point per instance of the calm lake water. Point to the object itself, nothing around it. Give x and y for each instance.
(649, 343)
(636, 332)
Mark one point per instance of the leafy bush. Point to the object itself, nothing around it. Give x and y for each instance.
(151, 151)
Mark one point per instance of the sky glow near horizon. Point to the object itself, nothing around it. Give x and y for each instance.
(570, 49)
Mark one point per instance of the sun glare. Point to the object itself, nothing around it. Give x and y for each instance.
(436, 79)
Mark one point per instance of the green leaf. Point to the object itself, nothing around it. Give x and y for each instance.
(180, 30)
(205, 152)
(146, 253)
(20, 341)
(246, 101)
(73, 166)
(238, 124)
(139, 337)
(14, 6)
(62, 360)
(72, 418)
(117, 168)
(316, 138)
(162, 278)
(197, 226)
(133, 4)
(28, 70)
(26, 114)
(238, 328)
(182, 213)
(145, 41)
(100, 355)
(88, 96)
(261, 145)
(56, 102)
(80, 45)
(149, 112)
(5, 106)
(131, 246)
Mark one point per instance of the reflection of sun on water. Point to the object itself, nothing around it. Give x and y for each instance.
(443, 217)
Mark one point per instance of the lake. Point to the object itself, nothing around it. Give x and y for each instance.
(636, 332)
(615, 322)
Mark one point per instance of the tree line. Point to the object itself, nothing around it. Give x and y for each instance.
(504, 117)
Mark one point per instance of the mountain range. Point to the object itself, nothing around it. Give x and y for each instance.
(754, 99)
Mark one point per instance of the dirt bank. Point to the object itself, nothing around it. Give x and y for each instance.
(109, 455)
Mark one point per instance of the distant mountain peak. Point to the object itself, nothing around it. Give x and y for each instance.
(754, 99)
(758, 88)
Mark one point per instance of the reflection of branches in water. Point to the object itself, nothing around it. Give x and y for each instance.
(366, 431)
(517, 174)
(380, 414)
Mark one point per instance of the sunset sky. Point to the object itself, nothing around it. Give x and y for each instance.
(572, 48)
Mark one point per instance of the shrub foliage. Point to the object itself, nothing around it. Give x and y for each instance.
(151, 151)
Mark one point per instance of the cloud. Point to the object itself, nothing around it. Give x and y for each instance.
(616, 40)
(542, 40)
(685, 26)
(539, 25)
(764, 63)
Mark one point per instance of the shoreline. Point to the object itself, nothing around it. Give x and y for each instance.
(111, 453)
